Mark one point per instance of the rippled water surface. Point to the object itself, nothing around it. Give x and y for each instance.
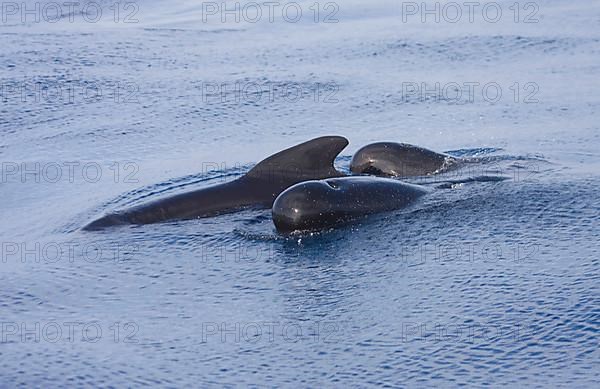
(491, 279)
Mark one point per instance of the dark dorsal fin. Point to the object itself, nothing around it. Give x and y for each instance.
(308, 160)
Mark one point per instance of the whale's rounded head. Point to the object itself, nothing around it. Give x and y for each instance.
(302, 206)
(317, 204)
(397, 160)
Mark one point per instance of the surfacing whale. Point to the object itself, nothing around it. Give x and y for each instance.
(390, 159)
(259, 187)
(318, 204)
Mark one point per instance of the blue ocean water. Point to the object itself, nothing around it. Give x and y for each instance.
(490, 280)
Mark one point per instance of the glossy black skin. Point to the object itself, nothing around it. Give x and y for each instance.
(314, 205)
(258, 188)
(391, 159)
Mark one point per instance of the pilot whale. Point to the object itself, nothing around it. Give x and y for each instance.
(259, 187)
(318, 204)
(390, 159)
